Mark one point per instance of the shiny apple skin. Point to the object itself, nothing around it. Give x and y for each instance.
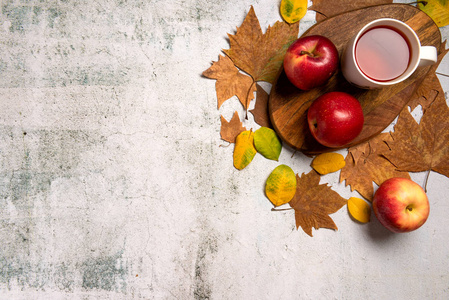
(335, 119)
(401, 205)
(307, 71)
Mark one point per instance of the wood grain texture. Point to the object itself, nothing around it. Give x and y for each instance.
(288, 105)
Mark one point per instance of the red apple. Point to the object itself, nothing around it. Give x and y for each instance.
(310, 61)
(401, 205)
(335, 119)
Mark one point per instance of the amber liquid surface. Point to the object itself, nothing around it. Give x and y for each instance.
(382, 53)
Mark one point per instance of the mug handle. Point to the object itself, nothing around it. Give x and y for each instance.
(428, 56)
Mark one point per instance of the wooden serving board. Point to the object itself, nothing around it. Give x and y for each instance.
(288, 105)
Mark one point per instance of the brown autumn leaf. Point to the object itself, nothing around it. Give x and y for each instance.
(313, 202)
(329, 8)
(230, 82)
(430, 86)
(230, 130)
(358, 151)
(260, 111)
(365, 165)
(424, 146)
(261, 54)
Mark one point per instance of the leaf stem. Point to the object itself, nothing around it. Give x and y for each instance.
(318, 12)
(280, 209)
(225, 146)
(247, 97)
(442, 74)
(417, 2)
(426, 180)
(293, 154)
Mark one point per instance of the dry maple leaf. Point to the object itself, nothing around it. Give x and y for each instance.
(313, 202)
(358, 151)
(365, 164)
(230, 82)
(260, 111)
(230, 130)
(258, 54)
(329, 8)
(424, 146)
(430, 86)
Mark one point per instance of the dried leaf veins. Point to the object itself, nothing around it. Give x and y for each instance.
(230, 82)
(313, 202)
(230, 130)
(424, 146)
(258, 54)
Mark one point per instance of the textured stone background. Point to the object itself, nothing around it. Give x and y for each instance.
(114, 184)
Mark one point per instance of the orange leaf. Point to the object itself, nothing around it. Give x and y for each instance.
(230, 130)
(230, 82)
(329, 8)
(365, 164)
(260, 111)
(313, 202)
(359, 209)
(329, 162)
(424, 146)
(261, 55)
(244, 150)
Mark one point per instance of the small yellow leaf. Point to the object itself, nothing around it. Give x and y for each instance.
(328, 162)
(293, 10)
(281, 185)
(438, 10)
(359, 209)
(244, 150)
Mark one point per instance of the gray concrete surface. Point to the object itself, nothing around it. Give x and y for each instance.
(115, 184)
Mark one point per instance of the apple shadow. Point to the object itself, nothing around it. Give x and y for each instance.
(377, 232)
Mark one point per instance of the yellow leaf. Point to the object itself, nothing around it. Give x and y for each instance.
(244, 150)
(328, 162)
(281, 185)
(438, 10)
(359, 209)
(293, 10)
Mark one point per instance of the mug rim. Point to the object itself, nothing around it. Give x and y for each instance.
(408, 71)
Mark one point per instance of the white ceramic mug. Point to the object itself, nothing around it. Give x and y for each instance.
(419, 55)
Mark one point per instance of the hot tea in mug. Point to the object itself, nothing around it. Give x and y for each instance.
(384, 52)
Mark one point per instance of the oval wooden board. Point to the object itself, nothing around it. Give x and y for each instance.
(288, 105)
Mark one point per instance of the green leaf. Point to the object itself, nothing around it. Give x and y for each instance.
(267, 143)
(438, 10)
(281, 185)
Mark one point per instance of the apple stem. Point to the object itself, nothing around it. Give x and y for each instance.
(304, 52)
